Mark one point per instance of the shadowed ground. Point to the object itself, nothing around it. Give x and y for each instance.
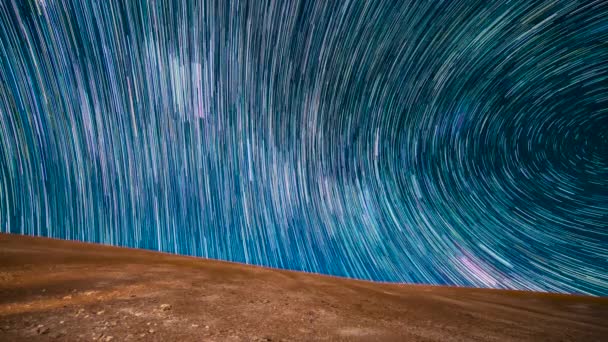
(72, 291)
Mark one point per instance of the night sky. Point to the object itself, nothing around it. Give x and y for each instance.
(445, 142)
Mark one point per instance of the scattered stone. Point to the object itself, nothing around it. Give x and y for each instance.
(165, 307)
(195, 325)
(61, 322)
(100, 312)
(43, 290)
(67, 297)
(109, 338)
(266, 301)
(142, 335)
(42, 330)
(263, 339)
(151, 331)
(57, 335)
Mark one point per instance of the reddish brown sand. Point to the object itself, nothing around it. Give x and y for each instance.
(70, 291)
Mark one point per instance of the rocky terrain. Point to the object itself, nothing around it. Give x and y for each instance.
(52, 290)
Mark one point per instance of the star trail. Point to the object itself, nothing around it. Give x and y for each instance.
(443, 142)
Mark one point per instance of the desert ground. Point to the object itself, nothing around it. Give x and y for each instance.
(54, 290)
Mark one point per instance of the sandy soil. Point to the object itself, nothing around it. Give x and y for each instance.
(70, 291)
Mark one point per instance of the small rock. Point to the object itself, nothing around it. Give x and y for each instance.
(57, 335)
(61, 322)
(109, 338)
(206, 327)
(165, 307)
(41, 330)
(43, 290)
(100, 312)
(142, 335)
(195, 325)
(67, 297)
(151, 331)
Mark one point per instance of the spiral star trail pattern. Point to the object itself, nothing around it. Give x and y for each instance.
(445, 142)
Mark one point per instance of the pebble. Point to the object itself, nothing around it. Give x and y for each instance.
(41, 329)
(165, 307)
(57, 335)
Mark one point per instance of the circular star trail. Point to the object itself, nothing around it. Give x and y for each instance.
(444, 142)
